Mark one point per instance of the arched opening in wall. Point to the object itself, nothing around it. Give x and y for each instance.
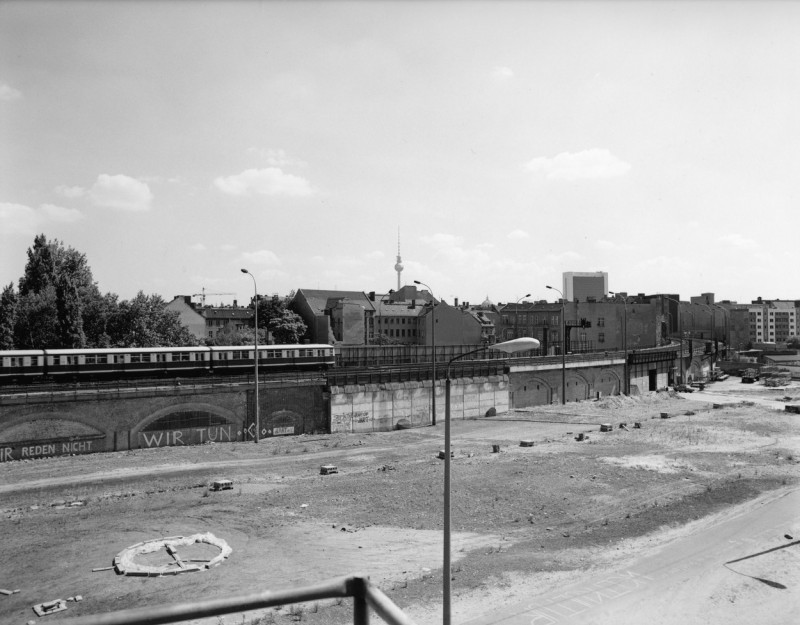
(577, 389)
(607, 383)
(528, 392)
(282, 423)
(184, 420)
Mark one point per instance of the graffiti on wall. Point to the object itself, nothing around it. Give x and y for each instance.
(25, 450)
(190, 436)
(344, 422)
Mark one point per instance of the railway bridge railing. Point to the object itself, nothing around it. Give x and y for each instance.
(364, 594)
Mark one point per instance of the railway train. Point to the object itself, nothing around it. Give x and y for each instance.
(71, 365)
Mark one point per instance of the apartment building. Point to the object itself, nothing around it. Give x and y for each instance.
(773, 321)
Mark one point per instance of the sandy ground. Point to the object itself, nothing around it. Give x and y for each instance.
(528, 522)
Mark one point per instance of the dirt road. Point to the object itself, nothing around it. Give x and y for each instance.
(741, 566)
(525, 519)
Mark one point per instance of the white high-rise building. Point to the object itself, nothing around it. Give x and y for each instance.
(581, 286)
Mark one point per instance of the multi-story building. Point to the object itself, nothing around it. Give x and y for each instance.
(773, 321)
(585, 286)
(206, 322)
(346, 317)
(591, 326)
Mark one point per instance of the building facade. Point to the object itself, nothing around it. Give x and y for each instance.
(585, 286)
(206, 322)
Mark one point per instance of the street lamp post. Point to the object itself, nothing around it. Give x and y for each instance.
(627, 390)
(713, 342)
(516, 313)
(680, 337)
(563, 348)
(255, 352)
(725, 329)
(509, 347)
(433, 348)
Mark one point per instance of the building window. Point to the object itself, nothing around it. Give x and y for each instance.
(601, 322)
(601, 337)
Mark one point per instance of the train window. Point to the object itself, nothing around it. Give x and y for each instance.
(180, 357)
(273, 353)
(239, 355)
(136, 358)
(160, 357)
(101, 360)
(68, 360)
(90, 360)
(145, 357)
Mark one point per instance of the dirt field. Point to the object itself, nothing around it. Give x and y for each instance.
(526, 516)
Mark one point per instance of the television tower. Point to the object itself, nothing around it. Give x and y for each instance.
(398, 266)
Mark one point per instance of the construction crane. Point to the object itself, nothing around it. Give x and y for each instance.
(202, 296)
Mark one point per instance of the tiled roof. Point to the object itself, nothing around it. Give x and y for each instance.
(226, 313)
(397, 309)
(322, 300)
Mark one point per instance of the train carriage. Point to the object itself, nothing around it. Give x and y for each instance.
(239, 359)
(70, 365)
(116, 362)
(21, 365)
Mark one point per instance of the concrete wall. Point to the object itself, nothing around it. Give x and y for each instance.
(85, 421)
(536, 385)
(90, 421)
(379, 407)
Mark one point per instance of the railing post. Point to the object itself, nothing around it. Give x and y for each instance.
(357, 588)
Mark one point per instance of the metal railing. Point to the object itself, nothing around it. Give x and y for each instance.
(364, 594)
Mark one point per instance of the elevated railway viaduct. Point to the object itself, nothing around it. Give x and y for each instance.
(38, 422)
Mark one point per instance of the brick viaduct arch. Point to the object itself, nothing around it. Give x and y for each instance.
(538, 388)
(229, 416)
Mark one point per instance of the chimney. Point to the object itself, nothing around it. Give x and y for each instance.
(235, 303)
(456, 302)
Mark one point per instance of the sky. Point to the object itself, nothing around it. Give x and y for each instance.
(500, 144)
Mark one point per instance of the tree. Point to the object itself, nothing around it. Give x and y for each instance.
(35, 324)
(269, 308)
(8, 311)
(232, 336)
(288, 328)
(793, 342)
(97, 314)
(384, 339)
(145, 321)
(53, 291)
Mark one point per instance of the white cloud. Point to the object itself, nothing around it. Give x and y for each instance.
(60, 213)
(261, 257)
(17, 219)
(563, 258)
(503, 73)
(21, 219)
(227, 247)
(739, 241)
(268, 181)
(606, 246)
(451, 248)
(518, 234)
(594, 163)
(121, 192)
(71, 192)
(7, 92)
(275, 158)
(198, 247)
